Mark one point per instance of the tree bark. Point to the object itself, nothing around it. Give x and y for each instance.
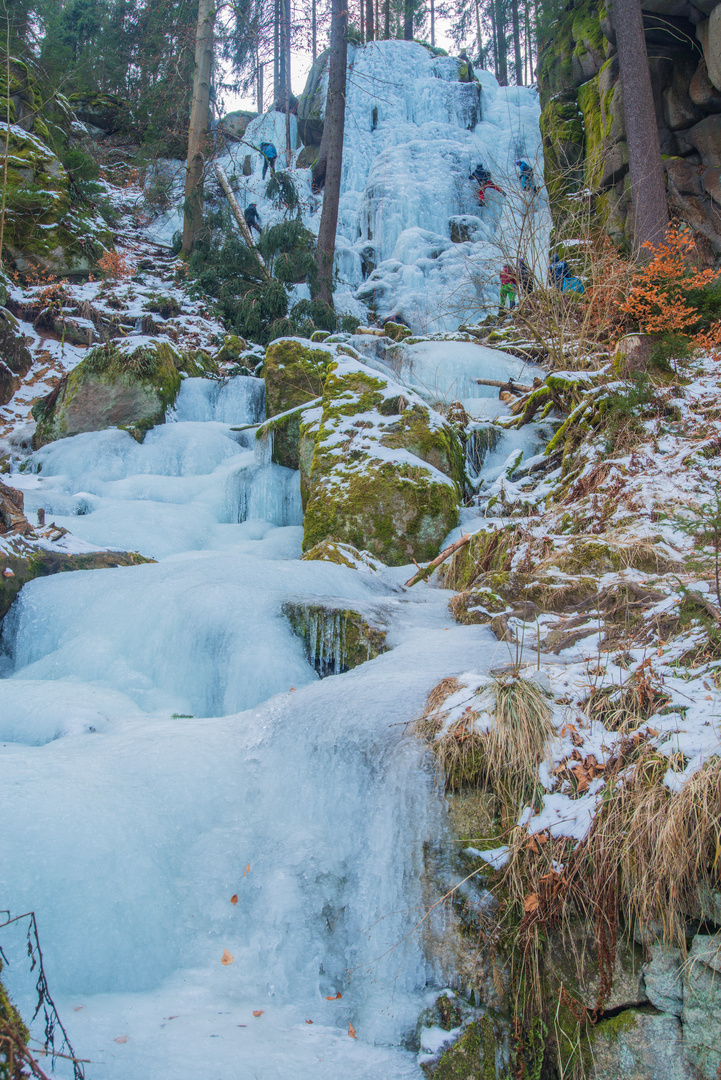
(260, 88)
(478, 32)
(334, 129)
(314, 28)
(502, 60)
(363, 20)
(193, 208)
(276, 49)
(648, 190)
(409, 9)
(387, 19)
(286, 99)
(370, 34)
(517, 42)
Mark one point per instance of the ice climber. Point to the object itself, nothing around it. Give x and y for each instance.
(526, 174)
(525, 276)
(269, 153)
(252, 218)
(483, 178)
(558, 271)
(466, 72)
(509, 284)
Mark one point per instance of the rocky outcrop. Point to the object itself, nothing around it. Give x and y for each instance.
(15, 358)
(294, 375)
(311, 104)
(583, 123)
(115, 385)
(44, 228)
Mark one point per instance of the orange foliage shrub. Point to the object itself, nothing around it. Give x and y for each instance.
(658, 297)
(115, 267)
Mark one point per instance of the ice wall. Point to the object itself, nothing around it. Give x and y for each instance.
(413, 133)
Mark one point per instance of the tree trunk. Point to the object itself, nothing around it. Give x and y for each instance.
(433, 24)
(276, 49)
(314, 29)
(387, 19)
(369, 21)
(517, 42)
(478, 32)
(363, 20)
(193, 208)
(528, 58)
(286, 99)
(502, 61)
(648, 190)
(408, 13)
(334, 128)
(260, 88)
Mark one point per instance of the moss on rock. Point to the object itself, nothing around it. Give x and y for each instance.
(368, 486)
(336, 638)
(112, 386)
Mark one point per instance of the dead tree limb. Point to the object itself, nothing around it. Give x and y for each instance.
(509, 384)
(238, 215)
(426, 571)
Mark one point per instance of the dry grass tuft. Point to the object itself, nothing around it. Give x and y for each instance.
(505, 758)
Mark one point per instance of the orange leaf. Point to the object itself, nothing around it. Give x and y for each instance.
(246, 870)
(533, 846)
(530, 902)
(309, 1021)
(78, 1008)
(258, 1012)
(234, 898)
(335, 997)
(121, 1039)
(351, 1031)
(292, 690)
(226, 958)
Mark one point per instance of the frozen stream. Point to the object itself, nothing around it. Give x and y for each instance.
(167, 746)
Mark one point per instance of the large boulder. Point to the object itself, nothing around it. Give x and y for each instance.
(294, 372)
(115, 385)
(104, 113)
(387, 471)
(311, 104)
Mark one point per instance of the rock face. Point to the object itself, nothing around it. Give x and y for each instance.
(311, 104)
(583, 123)
(386, 471)
(113, 386)
(15, 358)
(43, 229)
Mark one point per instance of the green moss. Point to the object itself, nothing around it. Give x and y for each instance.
(336, 639)
(465, 1058)
(232, 349)
(111, 387)
(440, 447)
(294, 374)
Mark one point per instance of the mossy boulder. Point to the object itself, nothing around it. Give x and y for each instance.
(294, 375)
(472, 1057)
(105, 112)
(380, 480)
(341, 555)
(290, 446)
(115, 385)
(336, 638)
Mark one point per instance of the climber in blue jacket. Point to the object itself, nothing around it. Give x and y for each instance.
(269, 153)
(526, 174)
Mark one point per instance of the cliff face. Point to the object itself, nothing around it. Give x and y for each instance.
(582, 120)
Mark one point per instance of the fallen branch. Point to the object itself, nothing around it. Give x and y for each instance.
(707, 606)
(238, 215)
(509, 384)
(426, 571)
(370, 330)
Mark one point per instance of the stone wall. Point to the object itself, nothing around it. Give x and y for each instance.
(582, 118)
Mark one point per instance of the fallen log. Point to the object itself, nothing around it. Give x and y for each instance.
(509, 384)
(370, 330)
(238, 215)
(424, 572)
